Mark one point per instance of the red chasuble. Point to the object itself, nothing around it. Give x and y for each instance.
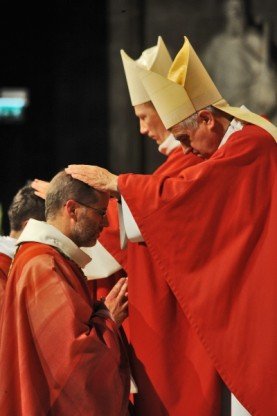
(213, 235)
(170, 366)
(5, 262)
(57, 355)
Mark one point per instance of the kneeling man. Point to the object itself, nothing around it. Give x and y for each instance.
(60, 353)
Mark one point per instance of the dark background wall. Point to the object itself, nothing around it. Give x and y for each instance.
(67, 55)
(60, 54)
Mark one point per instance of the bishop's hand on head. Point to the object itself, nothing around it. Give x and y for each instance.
(95, 176)
(40, 187)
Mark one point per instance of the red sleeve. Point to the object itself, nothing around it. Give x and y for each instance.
(110, 236)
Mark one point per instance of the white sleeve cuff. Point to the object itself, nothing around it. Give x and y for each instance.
(133, 386)
(103, 264)
(237, 408)
(122, 231)
(131, 227)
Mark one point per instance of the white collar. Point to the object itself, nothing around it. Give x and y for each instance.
(169, 144)
(41, 232)
(8, 246)
(234, 126)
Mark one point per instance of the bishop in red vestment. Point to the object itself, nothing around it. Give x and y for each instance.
(193, 386)
(151, 360)
(221, 271)
(150, 296)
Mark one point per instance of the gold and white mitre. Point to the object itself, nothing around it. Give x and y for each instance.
(187, 89)
(157, 59)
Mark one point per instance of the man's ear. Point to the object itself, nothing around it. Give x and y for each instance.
(207, 117)
(70, 208)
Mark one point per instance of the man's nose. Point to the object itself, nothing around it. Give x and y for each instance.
(143, 128)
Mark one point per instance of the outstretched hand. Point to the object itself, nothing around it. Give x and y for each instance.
(40, 187)
(99, 178)
(117, 301)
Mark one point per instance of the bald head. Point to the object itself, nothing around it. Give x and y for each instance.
(62, 188)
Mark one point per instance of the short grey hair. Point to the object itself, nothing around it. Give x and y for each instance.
(62, 188)
(192, 123)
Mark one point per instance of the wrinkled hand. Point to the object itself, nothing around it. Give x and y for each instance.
(117, 301)
(40, 187)
(99, 178)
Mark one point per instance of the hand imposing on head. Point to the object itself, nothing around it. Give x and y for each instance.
(99, 178)
(40, 187)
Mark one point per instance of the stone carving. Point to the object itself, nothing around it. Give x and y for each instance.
(238, 61)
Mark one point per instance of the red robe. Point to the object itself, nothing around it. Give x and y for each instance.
(110, 236)
(5, 262)
(212, 234)
(58, 355)
(170, 366)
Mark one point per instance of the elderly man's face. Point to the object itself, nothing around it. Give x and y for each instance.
(150, 122)
(203, 139)
(91, 219)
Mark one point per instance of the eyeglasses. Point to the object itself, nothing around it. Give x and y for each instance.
(101, 212)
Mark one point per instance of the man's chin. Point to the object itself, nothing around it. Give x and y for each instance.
(159, 141)
(89, 243)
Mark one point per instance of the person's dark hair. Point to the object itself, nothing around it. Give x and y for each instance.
(25, 205)
(62, 188)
